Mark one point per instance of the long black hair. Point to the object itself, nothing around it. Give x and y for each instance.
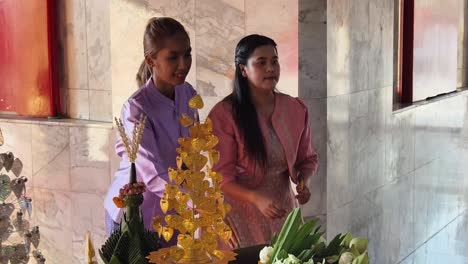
(245, 113)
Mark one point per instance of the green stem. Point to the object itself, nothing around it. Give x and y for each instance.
(133, 173)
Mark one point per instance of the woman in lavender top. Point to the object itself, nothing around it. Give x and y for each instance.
(163, 99)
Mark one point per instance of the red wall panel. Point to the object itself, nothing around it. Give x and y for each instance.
(27, 54)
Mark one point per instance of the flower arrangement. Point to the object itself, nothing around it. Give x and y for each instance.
(195, 197)
(303, 243)
(131, 243)
(129, 189)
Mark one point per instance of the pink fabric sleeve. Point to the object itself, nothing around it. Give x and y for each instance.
(307, 158)
(223, 128)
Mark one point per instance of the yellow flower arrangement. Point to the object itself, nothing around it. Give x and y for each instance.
(195, 197)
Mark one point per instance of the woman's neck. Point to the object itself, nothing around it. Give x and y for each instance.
(263, 101)
(164, 88)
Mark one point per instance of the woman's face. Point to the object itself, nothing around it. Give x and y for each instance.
(172, 63)
(262, 69)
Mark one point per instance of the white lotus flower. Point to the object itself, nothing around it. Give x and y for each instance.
(346, 258)
(265, 254)
(292, 260)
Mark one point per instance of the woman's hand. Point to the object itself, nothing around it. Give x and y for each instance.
(268, 207)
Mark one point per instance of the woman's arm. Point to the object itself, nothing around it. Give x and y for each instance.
(307, 160)
(263, 203)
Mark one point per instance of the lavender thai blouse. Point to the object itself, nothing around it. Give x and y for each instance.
(157, 151)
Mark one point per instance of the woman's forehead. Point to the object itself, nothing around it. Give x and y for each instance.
(267, 51)
(178, 43)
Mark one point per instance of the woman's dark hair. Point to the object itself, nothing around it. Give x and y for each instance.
(143, 74)
(245, 114)
(157, 29)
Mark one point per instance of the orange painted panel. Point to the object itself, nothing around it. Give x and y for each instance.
(26, 76)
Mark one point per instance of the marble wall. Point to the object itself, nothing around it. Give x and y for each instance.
(84, 58)
(215, 27)
(68, 169)
(462, 51)
(395, 177)
(313, 91)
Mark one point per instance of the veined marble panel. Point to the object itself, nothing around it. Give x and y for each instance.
(318, 183)
(219, 27)
(90, 166)
(52, 212)
(72, 44)
(312, 49)
(278, 19)
(98, 44)
(78, 103)
(100, 105)
(88, 215)
(381, 33)
(375, 149)
(340, 186)
(400, 145)
(51, 157)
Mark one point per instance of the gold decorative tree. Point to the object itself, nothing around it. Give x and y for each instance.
(195, 197)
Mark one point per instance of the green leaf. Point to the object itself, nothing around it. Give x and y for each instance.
(360, 244)
(274, 239)
(305, 255)
(300, 243)
(332, 259)
(115, 260)
(361, 259)
(312, 239)
(319, 248)
(346, 240)
(333, 247)
(353, 250)
(282, 254)
(107, 250)
(288, 232)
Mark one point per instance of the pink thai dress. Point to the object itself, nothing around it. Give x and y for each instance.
(289, 152)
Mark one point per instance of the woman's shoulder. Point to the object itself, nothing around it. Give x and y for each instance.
(223, 107)
(186, 89)
(137, 103)
(138, 99)
(292, 103)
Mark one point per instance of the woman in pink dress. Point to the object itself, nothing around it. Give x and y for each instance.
(264, 142)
